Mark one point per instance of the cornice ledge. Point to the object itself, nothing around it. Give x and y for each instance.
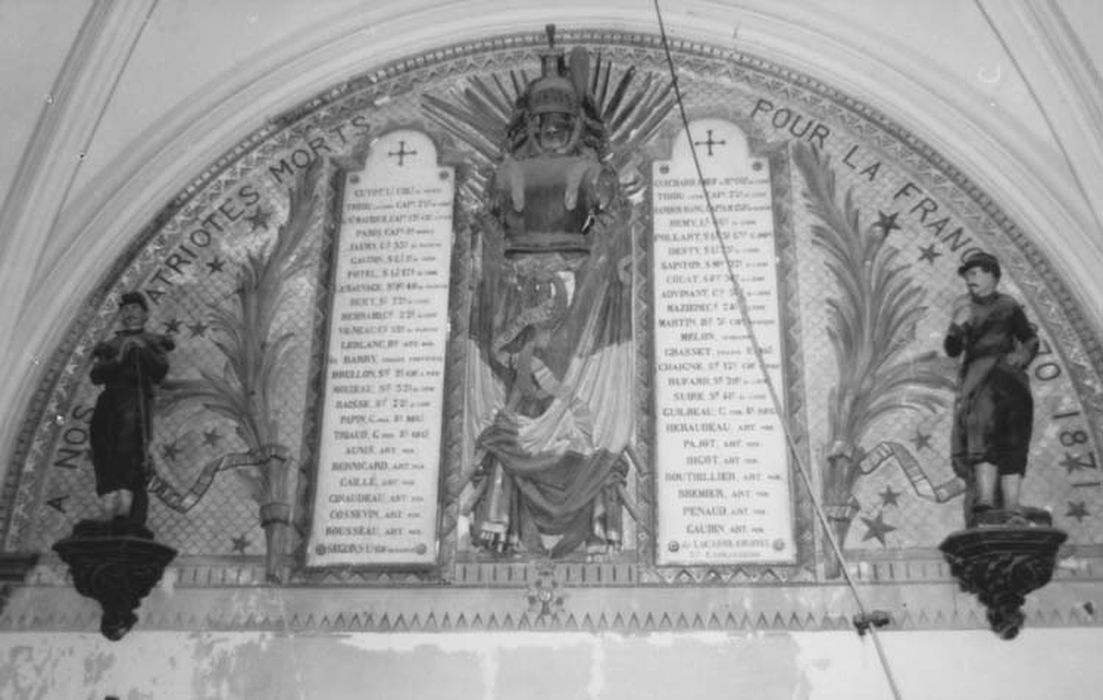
(624, 610)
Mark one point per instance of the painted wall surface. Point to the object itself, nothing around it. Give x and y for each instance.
(864, 230)
(948, 70)
(173, 76)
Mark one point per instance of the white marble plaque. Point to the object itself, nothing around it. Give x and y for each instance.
(722, 461)
(379, 458)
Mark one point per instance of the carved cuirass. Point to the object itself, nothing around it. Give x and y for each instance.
(548, 203)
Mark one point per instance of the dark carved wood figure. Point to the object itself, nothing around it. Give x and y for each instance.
(1008, 549)
(128, 366)
(994, 412)
(116, 561)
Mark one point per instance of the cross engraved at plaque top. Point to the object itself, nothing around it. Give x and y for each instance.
(709, 142)
(401, 153)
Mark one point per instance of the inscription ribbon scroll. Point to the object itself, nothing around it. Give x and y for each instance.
(895, 453)
(182, 502)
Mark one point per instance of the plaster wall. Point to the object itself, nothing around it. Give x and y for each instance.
(34, 39)
(531, 666)
(204, 73)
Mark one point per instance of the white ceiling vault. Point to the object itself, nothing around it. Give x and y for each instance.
(153, 93)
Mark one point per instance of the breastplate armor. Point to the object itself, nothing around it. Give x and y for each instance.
(547, 204)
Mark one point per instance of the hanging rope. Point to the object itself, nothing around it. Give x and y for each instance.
(744, 311)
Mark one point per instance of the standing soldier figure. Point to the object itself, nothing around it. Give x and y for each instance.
(127, 366)
(994, 412)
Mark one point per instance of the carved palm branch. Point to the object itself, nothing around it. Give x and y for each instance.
(477, 115)
(873, 317)
(248, 340)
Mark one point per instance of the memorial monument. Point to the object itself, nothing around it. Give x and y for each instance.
(471, 338)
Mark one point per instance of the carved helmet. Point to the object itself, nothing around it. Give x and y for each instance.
(559, 90)
(553, 91)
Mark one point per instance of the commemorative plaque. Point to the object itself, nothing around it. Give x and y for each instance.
(723, 477)
(379, 458)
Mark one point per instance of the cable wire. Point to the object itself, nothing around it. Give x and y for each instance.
(744, 311)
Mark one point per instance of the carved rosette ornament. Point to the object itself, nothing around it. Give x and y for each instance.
(1001, 565)
(116, 565)
(544, 595)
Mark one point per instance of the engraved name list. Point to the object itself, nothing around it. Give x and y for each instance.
(723, 478)
(379, 458)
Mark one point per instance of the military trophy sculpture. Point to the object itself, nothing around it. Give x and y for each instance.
(551, 317)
